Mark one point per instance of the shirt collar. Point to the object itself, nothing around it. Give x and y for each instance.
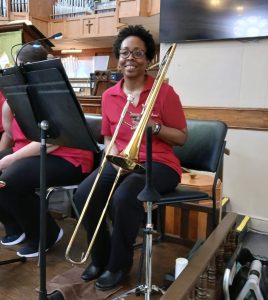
(117, 89)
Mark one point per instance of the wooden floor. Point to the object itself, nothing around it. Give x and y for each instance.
(20, 281)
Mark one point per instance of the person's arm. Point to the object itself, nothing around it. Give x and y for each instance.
(6, 138)
(107, 141)
(7, 117)
(5, 142)
(171, 135)
(172, 127)
(113, 151)
(32, 149)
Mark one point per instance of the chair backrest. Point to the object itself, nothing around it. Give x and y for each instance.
(94, 123)
(204, 146)
(101, 86)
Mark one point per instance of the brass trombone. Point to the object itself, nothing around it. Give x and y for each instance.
(128, 158)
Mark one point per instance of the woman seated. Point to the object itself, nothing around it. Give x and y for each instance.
(20, 177)
(112, 254)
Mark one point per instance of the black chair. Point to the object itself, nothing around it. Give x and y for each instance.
(94, 123)
(203, 151)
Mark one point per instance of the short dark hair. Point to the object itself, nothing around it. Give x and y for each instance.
(32, 53)
(139, 31)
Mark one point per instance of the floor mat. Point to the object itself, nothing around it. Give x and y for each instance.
(257, 243)
(72, 287)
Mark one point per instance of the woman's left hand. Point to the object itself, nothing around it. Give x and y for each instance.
(7, 161)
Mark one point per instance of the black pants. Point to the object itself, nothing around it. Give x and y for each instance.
(19, 203)
(125, 210)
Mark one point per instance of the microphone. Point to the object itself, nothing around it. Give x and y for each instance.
(35, 43)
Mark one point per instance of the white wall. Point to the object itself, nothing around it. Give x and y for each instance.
(230, 74)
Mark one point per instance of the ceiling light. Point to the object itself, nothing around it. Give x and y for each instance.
(69, 51)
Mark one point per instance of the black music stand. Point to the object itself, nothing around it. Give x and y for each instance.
(53, 115)
(148, 195)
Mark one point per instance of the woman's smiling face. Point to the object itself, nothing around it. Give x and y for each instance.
(136, 63)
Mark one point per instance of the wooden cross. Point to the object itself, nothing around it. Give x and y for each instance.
(89, 24)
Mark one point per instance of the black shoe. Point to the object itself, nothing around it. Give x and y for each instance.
(109, 280)
(10, 240)
(91, 272)
(32, 249)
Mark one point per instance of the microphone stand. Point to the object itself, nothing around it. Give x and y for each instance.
(148, 195)
(55, 36)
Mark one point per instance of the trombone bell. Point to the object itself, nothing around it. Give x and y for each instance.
(125, 163)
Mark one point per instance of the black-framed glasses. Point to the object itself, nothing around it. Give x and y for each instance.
(136, 53)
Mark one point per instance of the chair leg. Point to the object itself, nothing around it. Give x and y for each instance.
(70, 194)
(161, 210)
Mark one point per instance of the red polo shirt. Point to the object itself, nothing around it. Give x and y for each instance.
(167, 111)
(2, 100)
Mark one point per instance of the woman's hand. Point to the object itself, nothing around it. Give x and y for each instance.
(135, 118)
(32, 149)
(6, 161)
(113, 151)
(169, 135)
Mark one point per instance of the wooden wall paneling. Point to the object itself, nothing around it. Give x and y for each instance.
(149, 8)
(128, 8)
(90, 104)
(201, 226)
(41, 9)
(135, 8)
(41, 24)
(99, 25)
(173, 217)
(18, 16)
(89, 26)
(107, 24)
(38, 13)
(154, 7)
(56, 26)
(193, 218)
(194, 225)
(72, 27)
(236, 118)
(239, 118)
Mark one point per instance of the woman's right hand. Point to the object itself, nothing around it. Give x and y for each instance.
(113, 151)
